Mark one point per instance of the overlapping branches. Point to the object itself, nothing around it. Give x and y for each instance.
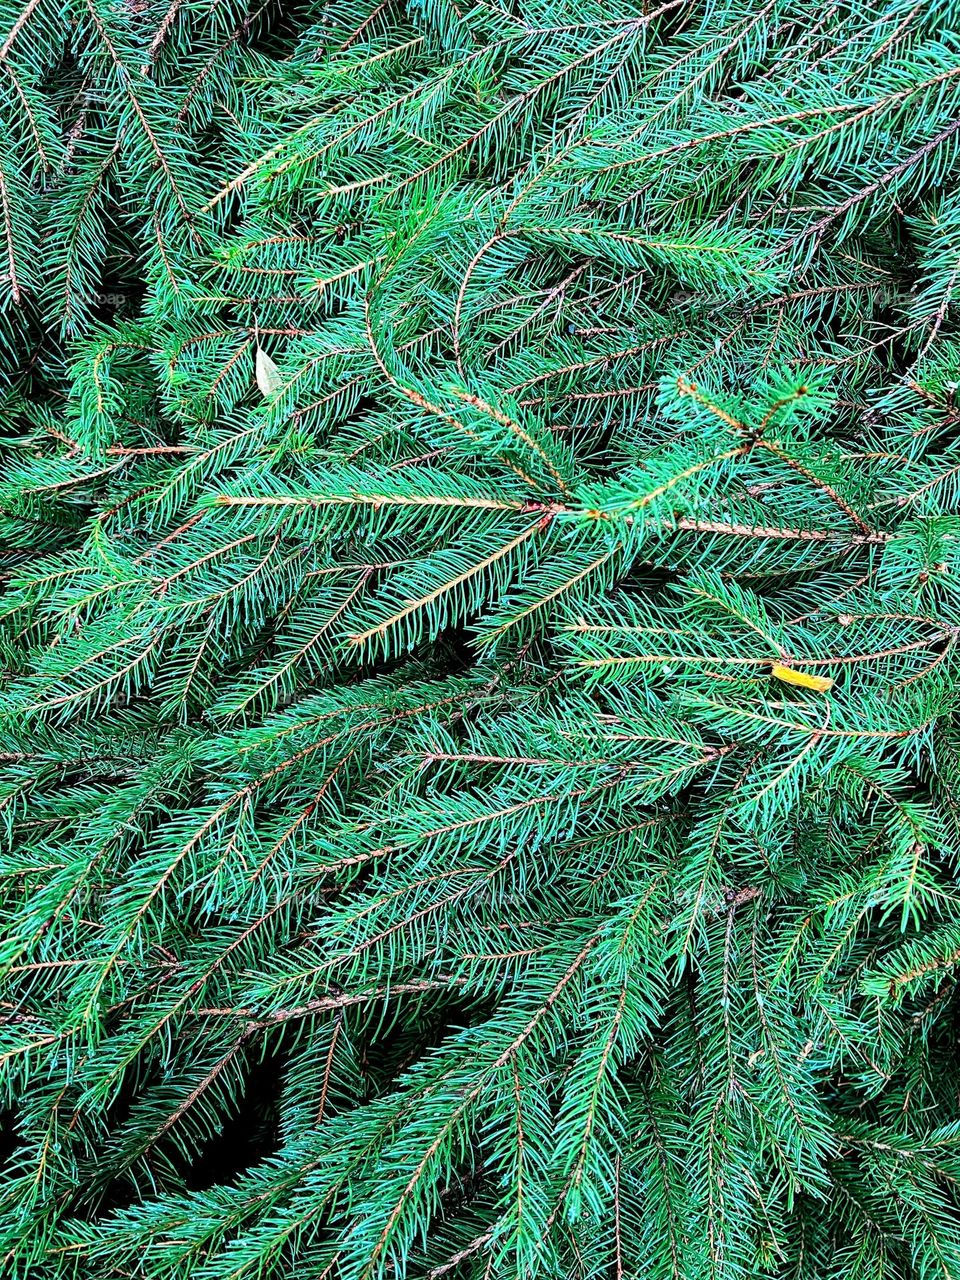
(502, 758)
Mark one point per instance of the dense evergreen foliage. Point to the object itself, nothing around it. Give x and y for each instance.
(478, 734)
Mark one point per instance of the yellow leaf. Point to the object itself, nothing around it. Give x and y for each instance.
(789, 676)
(269, 379)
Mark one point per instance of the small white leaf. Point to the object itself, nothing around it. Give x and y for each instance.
(269, 379)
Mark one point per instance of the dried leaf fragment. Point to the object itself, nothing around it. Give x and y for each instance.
(269, 379)
(820, 684)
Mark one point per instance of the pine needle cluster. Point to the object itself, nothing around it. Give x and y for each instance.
(480, 521)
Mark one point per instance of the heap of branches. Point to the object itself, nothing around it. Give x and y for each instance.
(478, 752)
